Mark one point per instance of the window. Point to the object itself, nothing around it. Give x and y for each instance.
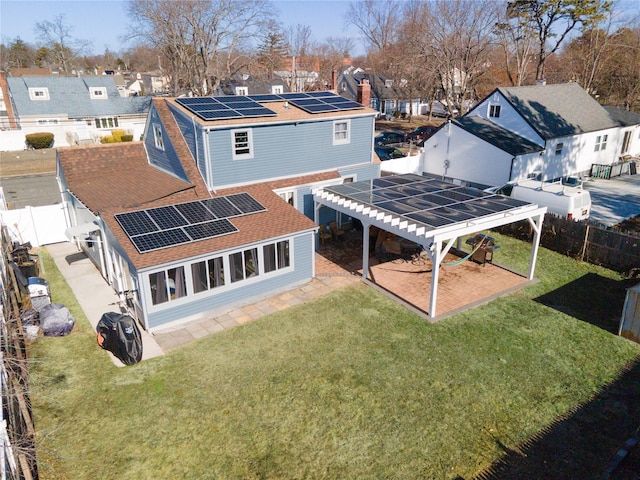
(157, 136)
(41, 93)
(494, 111)
(242, 90)
(276, 256)
(289, 197)
(244, 265)
(341, 132)
(106, 122)
(277, 89)
(559, 148)
(388, 83)
(48, 121)
(167, 285)
(601, 143)
(625, 141)
(98, 93)
(242, 144)
(208, 274)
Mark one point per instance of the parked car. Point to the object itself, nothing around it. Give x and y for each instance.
(385, 152)
(386, 138)
(422, 133)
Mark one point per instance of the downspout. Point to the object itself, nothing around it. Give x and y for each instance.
(511, 169)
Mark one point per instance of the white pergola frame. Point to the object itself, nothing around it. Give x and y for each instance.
(431, 240)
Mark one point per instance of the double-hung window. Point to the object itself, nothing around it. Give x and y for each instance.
(341, 132)
(559, 148)
(242, 141)
(494, 111)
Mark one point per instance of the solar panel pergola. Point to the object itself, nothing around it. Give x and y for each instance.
(432, 213)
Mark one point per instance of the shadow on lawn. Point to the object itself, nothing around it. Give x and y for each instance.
(591, 298)
(582, 444)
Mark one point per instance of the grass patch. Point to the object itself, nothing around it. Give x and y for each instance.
(349, 386)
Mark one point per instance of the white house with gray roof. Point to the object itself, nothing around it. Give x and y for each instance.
(545, 131)
(77, 110)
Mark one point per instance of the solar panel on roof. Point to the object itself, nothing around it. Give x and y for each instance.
(323, 94)
(221, 207)
(267, 98)
(166, 217)
(218, 108)
(293, 95)
(135, 223)
(157, 240)
(195, 212)
(172, 225)
(214, 228)
(246, 203)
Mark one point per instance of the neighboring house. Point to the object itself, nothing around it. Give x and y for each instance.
(544, 131)
(76, 110)
(214, 209)
(247, 85)
(154, 82)
(386, 97)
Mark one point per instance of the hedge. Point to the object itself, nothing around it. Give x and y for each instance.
(39, 140)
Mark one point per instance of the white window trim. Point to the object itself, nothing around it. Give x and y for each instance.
(242, 91)
(289, 196)
(559, 148)
(190, 295)
(48, 121)
(494, 108)
(157, 136)
(601, 143)
(114, 120)
(34, 90)
(98, 93)
(242, 156)
(343, 141)
(277, 89)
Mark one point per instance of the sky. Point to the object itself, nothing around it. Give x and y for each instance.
(104, 22)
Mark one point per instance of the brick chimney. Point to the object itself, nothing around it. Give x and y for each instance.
(364, 93)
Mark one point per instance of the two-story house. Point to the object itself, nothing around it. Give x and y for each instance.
(214, 209)
(543, 131)
(75, 109)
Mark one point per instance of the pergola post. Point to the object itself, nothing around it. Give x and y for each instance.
(436, 257)
(537, 228)
(365, 250)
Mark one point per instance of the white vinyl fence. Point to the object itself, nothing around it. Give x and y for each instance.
(37, 225)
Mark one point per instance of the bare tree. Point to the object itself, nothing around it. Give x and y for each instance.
(517, 42)
(298, 39)
(552, 20)
(461, 33)
(377, 20)
(202, 40)
(58, 39)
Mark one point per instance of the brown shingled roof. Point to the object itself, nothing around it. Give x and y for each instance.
(116, 176)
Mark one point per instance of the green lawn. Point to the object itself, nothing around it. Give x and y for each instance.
(349, 386)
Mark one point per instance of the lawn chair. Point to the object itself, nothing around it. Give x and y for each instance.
(336, 233)
(324, 234)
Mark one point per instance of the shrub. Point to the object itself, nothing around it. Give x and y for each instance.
(117, 134)
(39, 140)
(108, 139)
(127, 138)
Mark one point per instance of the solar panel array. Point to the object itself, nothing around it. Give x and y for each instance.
(427, 201)
(218, 108)
(161, 227)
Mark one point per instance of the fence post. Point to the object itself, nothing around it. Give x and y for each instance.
(584, 243)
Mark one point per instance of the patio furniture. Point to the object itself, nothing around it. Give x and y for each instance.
(336, 232)
(324, 234)
(483, 247)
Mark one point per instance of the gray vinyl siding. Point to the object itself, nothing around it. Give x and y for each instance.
(167, 159)
(288, 150)
(185, 124)
(302, 262)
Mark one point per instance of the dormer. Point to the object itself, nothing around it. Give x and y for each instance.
(98, 93)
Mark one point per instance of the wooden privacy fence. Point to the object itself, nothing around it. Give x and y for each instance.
(592, 243)
(17, 432)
